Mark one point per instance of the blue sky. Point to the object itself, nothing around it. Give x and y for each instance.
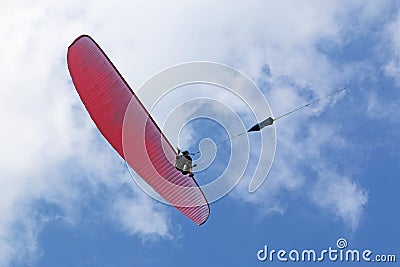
(67, 198)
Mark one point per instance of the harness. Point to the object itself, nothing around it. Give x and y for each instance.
(182, 163)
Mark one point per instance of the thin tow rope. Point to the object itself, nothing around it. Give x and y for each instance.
(322, 98)
(311, 103)
(287, 113)
(219, 143)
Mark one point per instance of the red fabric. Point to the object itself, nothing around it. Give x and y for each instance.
(136, 137)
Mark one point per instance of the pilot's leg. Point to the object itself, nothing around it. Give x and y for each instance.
(190, 173)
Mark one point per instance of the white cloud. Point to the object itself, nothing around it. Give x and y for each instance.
(51, 153)
(340, 196)
(378, 105)
(393, 36)
(134, 216)
(379, 108)
(304, 167)
(50, 150)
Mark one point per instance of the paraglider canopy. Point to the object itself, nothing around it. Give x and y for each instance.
(117, 112)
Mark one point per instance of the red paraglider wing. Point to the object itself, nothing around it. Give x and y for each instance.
(129, 128)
